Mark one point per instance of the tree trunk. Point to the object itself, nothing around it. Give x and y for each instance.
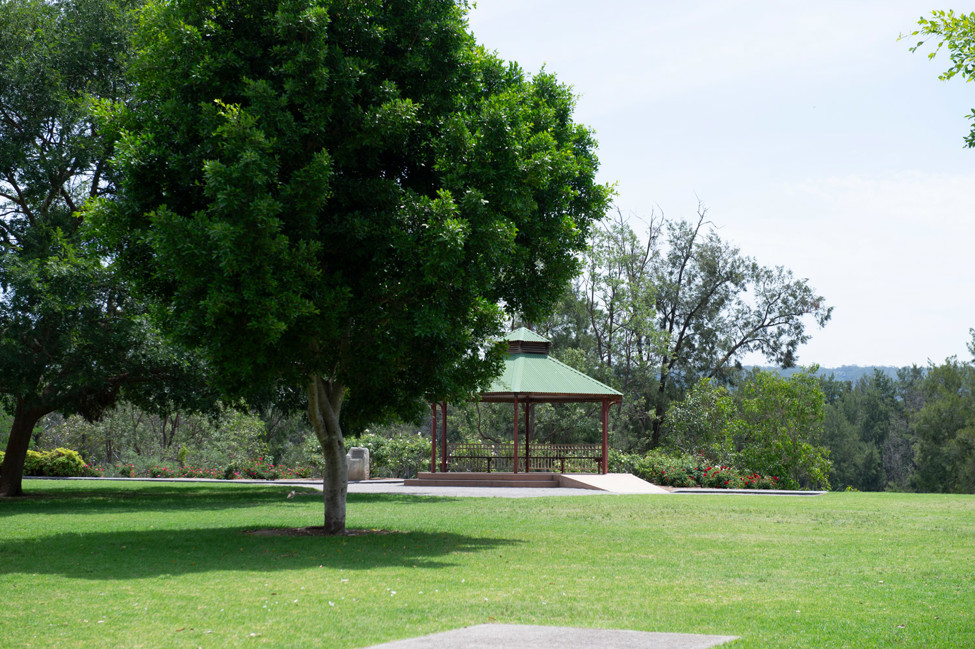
(12, 469)
(324, 405)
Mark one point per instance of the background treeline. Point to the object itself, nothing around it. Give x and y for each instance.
(915, 432)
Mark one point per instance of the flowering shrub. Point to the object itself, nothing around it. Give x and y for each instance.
(260, 469)
(685, 470)
(125, 470)
(161, 472)
(295, 473)
(197, 472)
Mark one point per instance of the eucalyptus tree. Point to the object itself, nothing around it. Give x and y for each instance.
(345, 198)
(71, 337)
(715, 305)
(679, 304)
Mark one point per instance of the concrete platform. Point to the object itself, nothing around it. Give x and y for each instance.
(513, 636)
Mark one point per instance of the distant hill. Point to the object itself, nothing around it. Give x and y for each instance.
(845, 373)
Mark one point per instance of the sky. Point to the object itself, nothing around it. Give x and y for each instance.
(810, 133)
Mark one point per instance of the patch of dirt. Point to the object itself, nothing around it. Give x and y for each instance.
(317, 530)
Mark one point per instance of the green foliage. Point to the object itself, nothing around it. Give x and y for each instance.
(59, 462)
(945, 429)
(783, 421)
(957, 31)
(769, 425)
(260, 469)
(130, 434)
(707, 421)
(621, 461)
(687, 470)
(910, 433)
(366, 199)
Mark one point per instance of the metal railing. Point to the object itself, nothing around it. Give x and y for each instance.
(555, 458)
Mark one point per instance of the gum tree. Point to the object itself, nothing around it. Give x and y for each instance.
(344, 198)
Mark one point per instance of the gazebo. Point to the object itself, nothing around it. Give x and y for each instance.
(530, 376)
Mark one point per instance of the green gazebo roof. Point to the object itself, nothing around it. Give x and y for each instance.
(529, 372)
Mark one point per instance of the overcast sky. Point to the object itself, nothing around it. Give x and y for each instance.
(813, 137)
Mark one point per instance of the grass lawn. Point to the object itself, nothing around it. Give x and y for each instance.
(135, 564)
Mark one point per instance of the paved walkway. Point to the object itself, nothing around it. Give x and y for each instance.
(505, 636)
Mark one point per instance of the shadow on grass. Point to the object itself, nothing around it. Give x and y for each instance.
(52, 497)
(91, 496)
(158, 553)
(140, 552)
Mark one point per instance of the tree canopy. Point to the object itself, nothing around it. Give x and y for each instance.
(72, 339)
(345, 197)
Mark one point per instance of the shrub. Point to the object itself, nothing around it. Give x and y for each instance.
(260, 469)
(406, 456)
(295, 473)
(125, 470)
(685, 470)
(670, 470)
(198, 472)
(620, 462)
(33, 463)
(161, 472)
(61, 462)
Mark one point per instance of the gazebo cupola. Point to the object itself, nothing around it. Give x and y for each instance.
(523, 341)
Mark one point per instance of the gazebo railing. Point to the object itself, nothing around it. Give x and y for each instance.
(555, 458)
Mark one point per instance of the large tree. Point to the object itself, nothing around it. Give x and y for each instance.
(716, 305)
(71, 337)
(345, 197)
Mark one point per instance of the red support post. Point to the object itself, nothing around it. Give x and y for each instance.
(604, 468)
(443, 438)
(433, 438)
(515, 458)
(528, 435)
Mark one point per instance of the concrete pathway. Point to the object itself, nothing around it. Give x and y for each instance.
(512, 636)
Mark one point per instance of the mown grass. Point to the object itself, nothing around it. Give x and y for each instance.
(170, 565)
